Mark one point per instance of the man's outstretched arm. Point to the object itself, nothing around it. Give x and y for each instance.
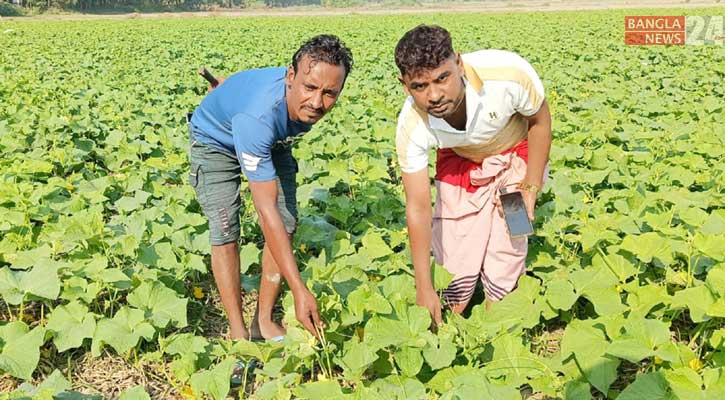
(539, 138)
(419, 217)
(264, 195)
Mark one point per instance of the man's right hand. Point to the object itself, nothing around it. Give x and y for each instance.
(306, 311)
(429, 299)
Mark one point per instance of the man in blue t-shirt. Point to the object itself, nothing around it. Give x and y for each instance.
(246, 124)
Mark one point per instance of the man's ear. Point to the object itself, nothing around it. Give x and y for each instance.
(290, 76)
(405, 87)
(459, 64)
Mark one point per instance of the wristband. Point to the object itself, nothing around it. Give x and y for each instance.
(529, 187)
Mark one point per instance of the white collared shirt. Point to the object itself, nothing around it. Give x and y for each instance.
(503, 83)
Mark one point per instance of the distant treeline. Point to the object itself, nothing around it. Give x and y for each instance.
(142, 5)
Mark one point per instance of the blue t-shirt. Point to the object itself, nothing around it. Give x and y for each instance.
(246, 116)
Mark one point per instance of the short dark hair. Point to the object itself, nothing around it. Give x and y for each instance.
(326, 48)
(423, 47)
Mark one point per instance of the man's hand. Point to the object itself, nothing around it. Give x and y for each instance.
(220, 79)
(530, 202)
(430, 300)
(306, 311)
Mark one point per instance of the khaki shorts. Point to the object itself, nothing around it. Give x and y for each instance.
(216, 177)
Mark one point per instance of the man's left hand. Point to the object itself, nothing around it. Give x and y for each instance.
(530, 202)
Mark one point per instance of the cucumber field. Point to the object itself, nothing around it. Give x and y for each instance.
(106, 288)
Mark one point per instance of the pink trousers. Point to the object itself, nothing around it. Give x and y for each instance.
(470, 237)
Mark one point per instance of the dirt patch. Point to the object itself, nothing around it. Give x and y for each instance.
(109, 375)
(484, 7)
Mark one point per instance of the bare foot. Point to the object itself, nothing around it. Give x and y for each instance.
(266, 330)
(238, 333)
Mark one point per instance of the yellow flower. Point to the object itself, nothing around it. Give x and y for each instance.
(303, 248)
(198, 293)
(695, 364)
(658, 360)
(618, 288)
(187, 392)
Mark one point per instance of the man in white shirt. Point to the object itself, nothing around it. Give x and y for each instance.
(486, 113)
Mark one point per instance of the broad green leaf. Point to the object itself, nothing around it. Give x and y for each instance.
(409, 360)
(70, 325)
(122, 332)
(641, 340)
(441, 277)
(374, 246)
(183, 343)
(648, 246)
(42, 281)
(588, 345)
(249, 255)
(651, 386)
(137, 392)
(356, 358)
(697, 299)
(161, 304)
(21, 349)
(319, 391)
(440, 355)
(560, 294)
(214, 382)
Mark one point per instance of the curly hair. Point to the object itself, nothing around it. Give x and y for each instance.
(326, 48)
(421, 48)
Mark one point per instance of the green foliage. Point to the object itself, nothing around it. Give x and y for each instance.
(102, 241)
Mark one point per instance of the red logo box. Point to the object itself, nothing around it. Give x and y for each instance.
(653, 30)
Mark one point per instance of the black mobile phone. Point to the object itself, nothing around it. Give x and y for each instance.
(208, 76)
(514, 211)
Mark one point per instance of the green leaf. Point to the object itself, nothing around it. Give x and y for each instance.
(710, 245)
(356, 358)
(137, 392)
(560, 294)
(622, 268)
(28, 258)
(577, 390)
(122, 332)
(685, 384)
(598, 284)
(214, 382)
(71, 324)
(127, 204)
(441, 277)
(512, 362)
(249, 255)
(398, 387)
(10, 286)
(161, 304)
(41, 281)
(651, 386)
(183, 343)
(648, 246)
(588, 345)
(367, 298)
(441, 354)
(409, 359)
(374, 246)
(641, 340)
(21, 351)
(319, 391)
(697, 299)
(716, 280)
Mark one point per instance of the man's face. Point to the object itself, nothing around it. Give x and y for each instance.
(440, 90)
(313, 89)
